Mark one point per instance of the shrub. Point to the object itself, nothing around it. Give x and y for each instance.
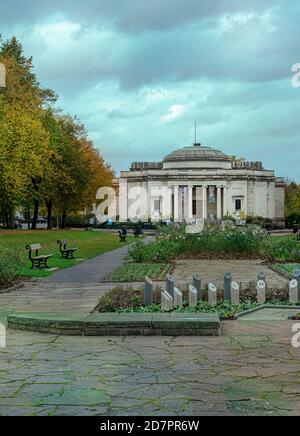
(214, 240)
(285, 249)
(120, 299)
(128, 300)
(138, 271)
(160, 250)
(10, 263)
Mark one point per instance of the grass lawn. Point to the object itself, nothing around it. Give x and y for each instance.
(135, 272)
(89, 244)
(286, 268)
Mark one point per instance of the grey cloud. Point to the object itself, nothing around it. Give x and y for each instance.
(128, 15)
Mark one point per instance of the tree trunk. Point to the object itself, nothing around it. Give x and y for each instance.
(11, 219)
(49, 206)
(28, 217)
(63, 220)
(35, 215)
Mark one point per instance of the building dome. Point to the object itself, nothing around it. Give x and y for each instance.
(197, 152)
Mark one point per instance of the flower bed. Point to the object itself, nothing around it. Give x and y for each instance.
(124, 300)
(10, 264)
(136, 272)
(216, 241)
(286, 269)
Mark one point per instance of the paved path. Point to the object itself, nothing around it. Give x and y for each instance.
(92, 270)
(251, 370)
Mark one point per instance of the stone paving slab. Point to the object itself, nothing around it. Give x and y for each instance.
(251, 370)
(272, 314)
(115, 324)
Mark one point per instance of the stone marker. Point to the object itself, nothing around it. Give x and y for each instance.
(235, 293)
(170, 284)
(177, 298)
(294, 292)
(166, 302)
(261, 276)
(227, 285)
(212, 294)
(197, 285)
(261, 292)
(193, 300)
(148, 292)
(296, 276)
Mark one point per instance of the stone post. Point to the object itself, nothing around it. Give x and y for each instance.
(148, 292)
(294, 298)
(166, 302)
(261, 276)
(178, 298)
(235, 293)
(296, 276)
(197, 285)
(212, 294)
(192, 296)
(261, 292)
(170, 284)
(227, 286)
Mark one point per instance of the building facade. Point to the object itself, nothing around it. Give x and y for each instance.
(199, 182)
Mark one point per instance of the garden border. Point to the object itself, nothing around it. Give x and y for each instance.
(265, 306)
(114, 324)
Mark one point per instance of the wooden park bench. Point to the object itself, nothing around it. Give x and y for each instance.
(122, 236)
(66, 253)
(37, 261)
(137, 232)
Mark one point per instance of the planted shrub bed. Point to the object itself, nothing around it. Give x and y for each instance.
(137, 272)
(216, 241)
(10, 265)
(286, 269)
(124, 300)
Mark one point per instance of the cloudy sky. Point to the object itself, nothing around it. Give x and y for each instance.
(138, 73)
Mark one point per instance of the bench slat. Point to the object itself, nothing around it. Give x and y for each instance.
(35, 247)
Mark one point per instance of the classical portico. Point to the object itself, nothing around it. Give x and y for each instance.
(198, 201)
(200, 182)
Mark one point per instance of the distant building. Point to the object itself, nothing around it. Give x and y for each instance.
(208, 183)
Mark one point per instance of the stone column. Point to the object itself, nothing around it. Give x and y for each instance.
(225, 201)
(204, 196)
(123, 200)
(176, 204)
(167, 203)
(190, 202)
(219, 202)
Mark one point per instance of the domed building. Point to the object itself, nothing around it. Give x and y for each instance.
(200, 182)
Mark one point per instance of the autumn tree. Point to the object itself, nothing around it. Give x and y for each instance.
(23, 139)
(46, 158)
